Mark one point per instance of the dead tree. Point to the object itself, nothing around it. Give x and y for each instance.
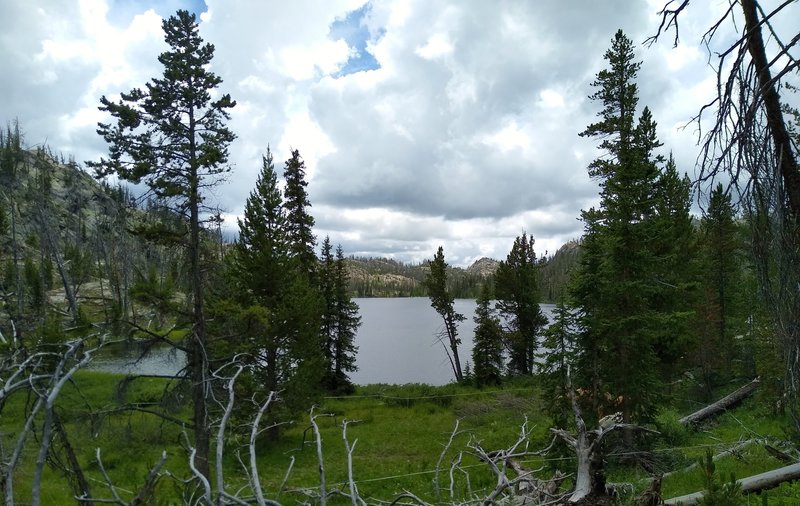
(590, 480)
(750, 142)
(43, 374)
(750, 485)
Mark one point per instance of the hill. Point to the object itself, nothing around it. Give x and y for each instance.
(384, 277)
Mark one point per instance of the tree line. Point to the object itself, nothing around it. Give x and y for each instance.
(655, 294)
(164, 273)
(658, 299)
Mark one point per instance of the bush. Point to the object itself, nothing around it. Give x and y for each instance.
(672, 430)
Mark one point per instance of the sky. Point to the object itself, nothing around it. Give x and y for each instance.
(421, 122)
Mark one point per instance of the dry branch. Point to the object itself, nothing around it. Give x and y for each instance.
(730, 451)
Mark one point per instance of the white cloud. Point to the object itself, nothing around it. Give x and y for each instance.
(436, 47)
(509, 137)
(466, 135)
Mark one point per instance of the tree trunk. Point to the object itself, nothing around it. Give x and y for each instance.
(752, 484)
(199, 361)
(722, 405)
(777, 126)
(81, 484)
(69, 291)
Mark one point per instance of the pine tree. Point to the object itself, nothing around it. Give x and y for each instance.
(260, 261)
(674, 248)
(487, 350)
(517, 292)
(561, 353)
(720, 305)
(347, 323)
(262, 250)
(299, 223)
(615, 289)
(327, 287)
(441, 300)
(172, 137)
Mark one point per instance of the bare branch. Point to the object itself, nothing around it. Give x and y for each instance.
(318, 438)
(109, 482)
(255, 481)
(669, 19)
(203, 480)
(350, 449)
(150, 482)
(436, 487)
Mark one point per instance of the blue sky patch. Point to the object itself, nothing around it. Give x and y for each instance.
(354, 31)
(121, 12)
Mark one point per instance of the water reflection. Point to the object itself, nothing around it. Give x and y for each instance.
(126, 358)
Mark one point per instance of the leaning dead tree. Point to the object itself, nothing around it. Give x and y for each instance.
(752, 143)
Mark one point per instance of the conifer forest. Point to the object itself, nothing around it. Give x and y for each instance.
(651, 358)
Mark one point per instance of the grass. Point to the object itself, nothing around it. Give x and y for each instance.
(398, 432)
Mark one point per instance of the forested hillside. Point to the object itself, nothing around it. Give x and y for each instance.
(383, 277)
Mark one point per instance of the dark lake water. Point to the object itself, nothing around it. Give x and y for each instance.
(397, 343)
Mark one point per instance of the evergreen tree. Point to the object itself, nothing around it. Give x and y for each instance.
(327, 288)
(259, 263)
(11, 165)
(674, 247)
(442, 302)
(720, 306)
(299, 223)
(347, 323)
(487, 350)
(262, 251)
(616, 290)
(172, 137)
(517, 292)
(560, 344)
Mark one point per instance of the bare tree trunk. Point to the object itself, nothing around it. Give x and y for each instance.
(82, 484)
(772, 103)
(69, 292)
(750, 485)
(722, 405)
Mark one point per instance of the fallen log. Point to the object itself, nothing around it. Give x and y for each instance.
(729, 401)
(730, 451)
(752, 484)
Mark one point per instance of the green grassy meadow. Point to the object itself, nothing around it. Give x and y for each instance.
(399, 433)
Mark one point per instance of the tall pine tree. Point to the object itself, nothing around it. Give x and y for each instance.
(299, 222)
(262, 249)
(347, 323)
(173, 137)
(615, 290)
(720, 315)
(259, 263)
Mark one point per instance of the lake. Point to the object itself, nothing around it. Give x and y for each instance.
(397, 343)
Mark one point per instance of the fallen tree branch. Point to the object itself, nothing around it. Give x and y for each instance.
(730, 451)
(752, 484)
(729, 401)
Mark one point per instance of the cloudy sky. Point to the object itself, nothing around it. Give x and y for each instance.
(421, 122)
